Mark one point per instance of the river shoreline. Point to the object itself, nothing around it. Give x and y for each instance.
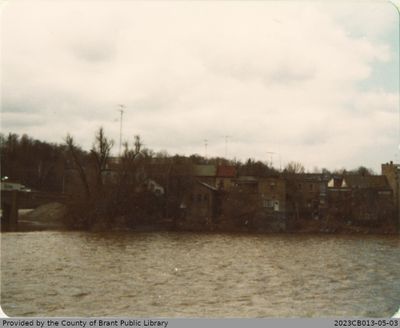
(52, 217)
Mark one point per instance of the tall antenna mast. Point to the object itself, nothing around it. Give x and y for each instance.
(226, 146)
(271, 153)
(121, 110)
(205, 146)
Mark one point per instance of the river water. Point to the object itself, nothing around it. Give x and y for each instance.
(199, 275)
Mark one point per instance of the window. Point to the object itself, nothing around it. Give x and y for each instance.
(268, 203)
(199, 198)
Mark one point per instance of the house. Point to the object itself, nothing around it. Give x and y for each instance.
(199, 207)
(361, 198)
(154, 187)
(225, 177)
(352, 182)
(272, 191)
(10, 186)
(205, 173)
(259, 202)
(247, 184)
(392, 173)
(307, 195)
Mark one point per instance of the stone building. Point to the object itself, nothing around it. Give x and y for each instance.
(225, 177)
(307, 195)
(257, 202)
(362, 199)
(199, 207)
(392, 173)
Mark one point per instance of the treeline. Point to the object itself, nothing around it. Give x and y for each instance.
(34, 163)
(107, 191)
(41, 165)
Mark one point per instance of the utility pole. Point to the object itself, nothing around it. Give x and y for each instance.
(121, 110)
(205, 147)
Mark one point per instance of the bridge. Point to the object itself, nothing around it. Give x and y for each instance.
(14, 200)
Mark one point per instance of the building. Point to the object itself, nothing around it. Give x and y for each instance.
(307, 195)
(225, 177)
(272, 191)
(363, 199)
(199, 207)
(205, 173)
(258, 203)
(10, 186)
(392, 173)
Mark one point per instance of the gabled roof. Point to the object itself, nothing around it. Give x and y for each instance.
(336, 182)
(205, 170)
(226, 171)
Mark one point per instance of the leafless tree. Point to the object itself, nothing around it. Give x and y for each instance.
(101, 153)
(294, 168)
(73, 150)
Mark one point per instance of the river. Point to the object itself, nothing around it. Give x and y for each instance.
(167, 274)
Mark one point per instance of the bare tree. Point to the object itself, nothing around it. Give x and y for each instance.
(294, 168)
(101, 153)
(138, 144)
(72, 148)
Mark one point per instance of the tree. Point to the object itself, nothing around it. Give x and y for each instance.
(73, 150)
(362, 170)
(101, 153)
(294, 168)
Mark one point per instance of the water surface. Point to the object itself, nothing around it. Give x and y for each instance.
(198, 275)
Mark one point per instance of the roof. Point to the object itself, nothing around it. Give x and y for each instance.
(208, 186)
(246, 179)
(310, 177)
(367, 181)
(337, 182)
(205, 170)
(226, 171)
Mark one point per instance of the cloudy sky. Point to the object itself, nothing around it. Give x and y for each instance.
(313, 82)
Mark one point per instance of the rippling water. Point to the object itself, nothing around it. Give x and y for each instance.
(198, 275)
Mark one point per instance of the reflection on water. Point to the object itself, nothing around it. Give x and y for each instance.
(199, 275)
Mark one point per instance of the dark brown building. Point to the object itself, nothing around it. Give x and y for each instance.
(199, 207)
(366, 199)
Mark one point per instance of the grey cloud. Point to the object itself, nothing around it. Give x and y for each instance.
(281, 74)
(94, 51)
(154, 102)
(21, 120)
(179, 93)
(286, 75)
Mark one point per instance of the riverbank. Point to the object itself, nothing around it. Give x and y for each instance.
(53, 217)
(45, 217)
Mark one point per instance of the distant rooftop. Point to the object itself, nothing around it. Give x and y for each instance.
(226, 171)
(366, 181)
(205, 170)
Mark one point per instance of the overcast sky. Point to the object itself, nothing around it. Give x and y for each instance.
(309, 81)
